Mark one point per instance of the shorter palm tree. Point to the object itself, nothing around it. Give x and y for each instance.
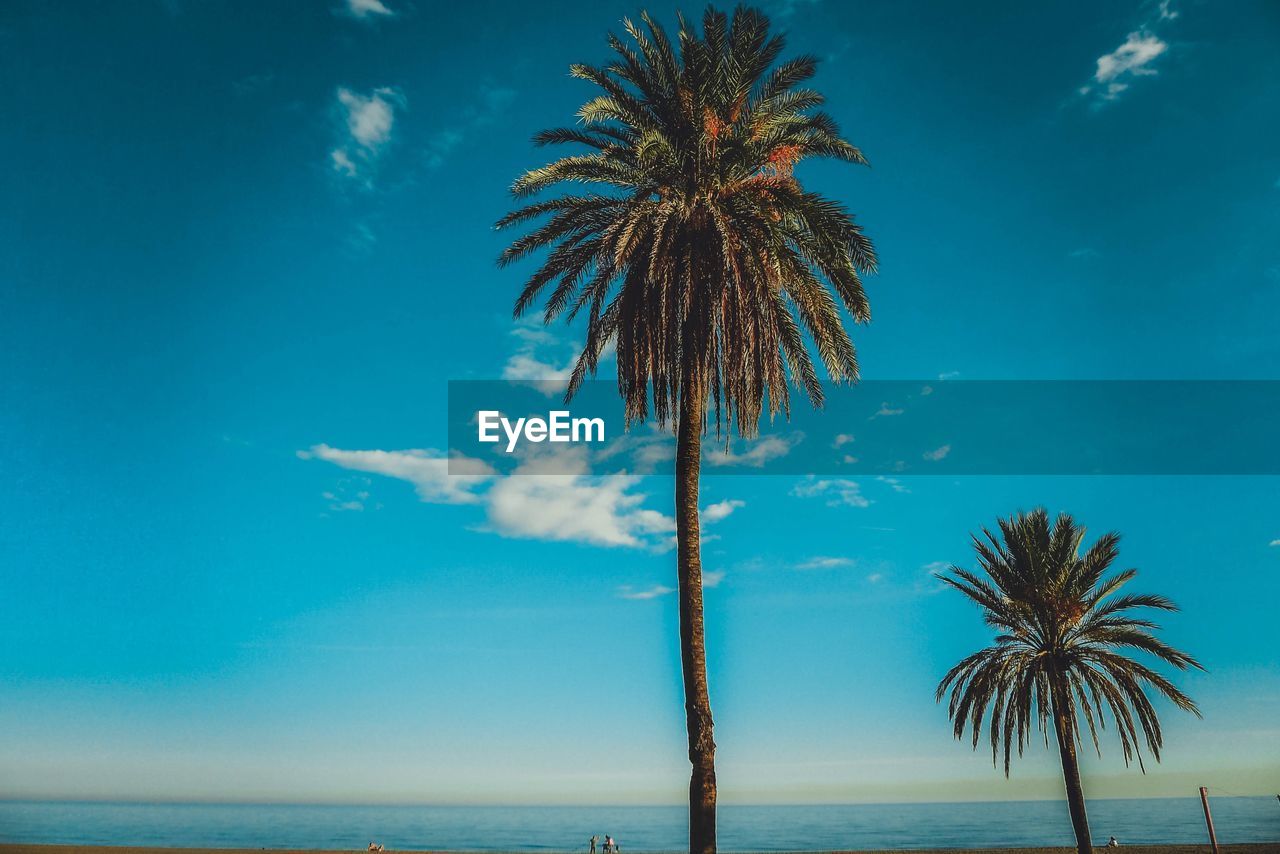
(1059, 652)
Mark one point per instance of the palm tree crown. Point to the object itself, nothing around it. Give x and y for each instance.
(1063, 633)
(719, 256)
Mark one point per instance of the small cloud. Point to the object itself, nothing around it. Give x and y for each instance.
(652, 451)
(343, 163)
(884, 411)
(361, 238)
(713, 513)
(1116, 70)
(1131, 58)
(841, 440)
(1275, 543)
(822, 562)
(1166, 10)
(367, 9)
(252, 83)
(927, 581)
(926, 391)
(489, 103)
(368, 121)
(893, 483)
(626, 591)
(875, 578)
(837, 491)
(534, 359)
(427, 470)
(937, 453)
(440, 145)
(712, 578)
(784, 9)
(949, 375)
(350, 495)
(759, 452)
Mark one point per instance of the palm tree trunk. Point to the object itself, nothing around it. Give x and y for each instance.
(1063, 724)
(693, 653)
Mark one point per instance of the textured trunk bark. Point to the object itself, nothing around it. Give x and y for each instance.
(1071, 769)
(693, 653)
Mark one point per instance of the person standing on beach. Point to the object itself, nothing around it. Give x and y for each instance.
(594, 839)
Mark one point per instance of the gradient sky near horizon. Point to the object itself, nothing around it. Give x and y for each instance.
(233, 233)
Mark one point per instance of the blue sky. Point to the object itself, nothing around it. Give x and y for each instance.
(245, 246)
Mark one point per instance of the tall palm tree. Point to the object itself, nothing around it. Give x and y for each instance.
(696, 251)
(1060, 651)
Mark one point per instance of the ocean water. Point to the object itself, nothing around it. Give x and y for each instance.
(637, 829)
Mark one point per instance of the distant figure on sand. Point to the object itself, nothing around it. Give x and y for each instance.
(376, 846)
(594, 840)
(1113, 843)
(610, 847)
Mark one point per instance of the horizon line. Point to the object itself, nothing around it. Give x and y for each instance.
(542, 805)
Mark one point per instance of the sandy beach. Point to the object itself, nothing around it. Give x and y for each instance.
(1249, 848)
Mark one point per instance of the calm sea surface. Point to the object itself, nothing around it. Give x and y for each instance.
(565, 829)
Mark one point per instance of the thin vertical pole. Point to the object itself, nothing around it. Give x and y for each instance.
(1208, 818)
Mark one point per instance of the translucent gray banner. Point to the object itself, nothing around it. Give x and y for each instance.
(957, 427)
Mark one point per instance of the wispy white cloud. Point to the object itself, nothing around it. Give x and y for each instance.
(927, 578)
(650, 448)
(251, 83)
(885, 410)
(1116, 71)
(713, 513)
(949, 375)
(350, 495)
(937, 453)
(784, 9)
(367, 123)
(552, 497)
(759, 451)
(626, 591)
(824, 562)
(893, 483)
(534, 359)
(875, 578)
(1275, 542)
(710, 579)
(841, 440)
(427, 470)
(364, 9)
(549, 497)
(488, 104)
(836, 491)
